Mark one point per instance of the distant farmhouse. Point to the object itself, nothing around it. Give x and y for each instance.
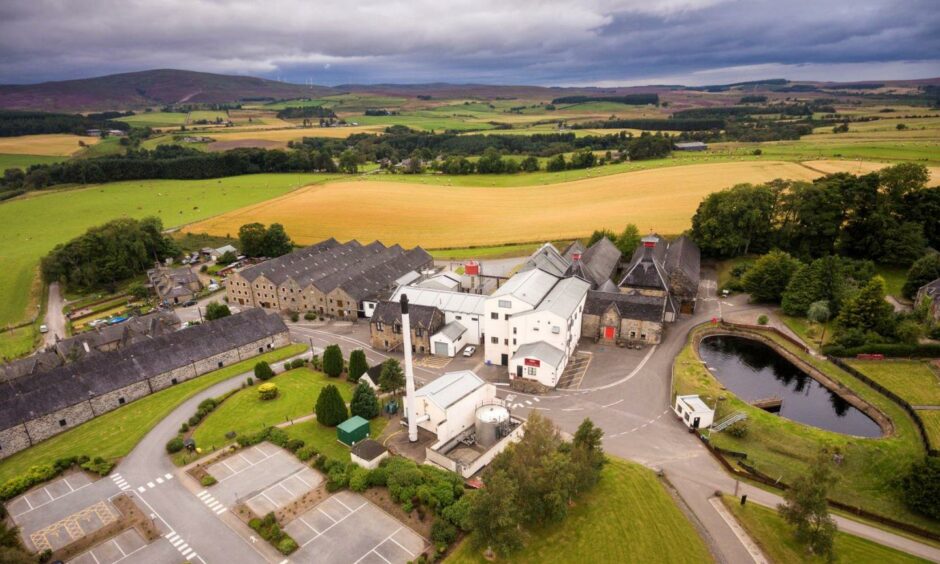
(174, 285)
(691, 146)
(342, 280)
(50, 400)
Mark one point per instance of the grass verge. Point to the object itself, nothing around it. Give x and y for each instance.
(324, 438)
(627, 517)
(115, 433)
(913, 380)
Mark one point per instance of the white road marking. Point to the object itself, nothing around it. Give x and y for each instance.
(168, 476)
(141, 489)
(150, 485)
(613, 404)
(159, 480)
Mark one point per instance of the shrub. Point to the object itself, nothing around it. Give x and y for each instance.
(295, 317)
(250, 381)
(294, 445)
(263, 371)
(921, 487)
(184, 427)
(357, 365)
(330, 408)
(298, 363)
(310, 316)
(307, 452)
(762, 320)
(378, 477)
(286, 545)
(267, 391)
(358, 478)
(738, 430)
(216, 310)
(364, 403)
(442, 532)
(208, 404)
(208, 480)
(333, 361)
(337, 478)
(99, 466)
(174, 445)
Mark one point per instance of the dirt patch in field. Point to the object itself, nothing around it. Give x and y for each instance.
(243, 143)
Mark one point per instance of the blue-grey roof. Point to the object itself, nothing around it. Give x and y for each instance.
(543, 351)
(444, 300)
(453, 330)
(530, 286)
(548, 258)
(564, 298)
(450, 388)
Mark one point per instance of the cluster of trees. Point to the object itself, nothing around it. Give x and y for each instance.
(108, 254)
(14, 123)
(305, 112)
(534, 482)
(888, 216)
(630, 99)
(653, 124)
(217, 310)
(256, 240)
(627, 241)
(807, 508)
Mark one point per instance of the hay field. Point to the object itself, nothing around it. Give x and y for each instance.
(862, 167)
(295, 134)
(53, 144)
(453, 216)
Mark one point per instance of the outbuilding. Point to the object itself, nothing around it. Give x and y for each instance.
(353, 430)
(368, 454)
(449, 340)
(694, 412)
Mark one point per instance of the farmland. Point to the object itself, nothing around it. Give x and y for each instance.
(25, 161)
(442, 215)
(54, 144)
(31, 226)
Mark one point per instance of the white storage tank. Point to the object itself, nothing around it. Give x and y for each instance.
(489, 420)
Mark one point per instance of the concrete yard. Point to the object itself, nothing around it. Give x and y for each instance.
(347, 528)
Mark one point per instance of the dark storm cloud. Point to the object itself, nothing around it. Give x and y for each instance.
(522, 41)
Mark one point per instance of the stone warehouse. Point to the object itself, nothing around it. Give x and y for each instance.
(328, 278)
(40, 405)
(386, 330)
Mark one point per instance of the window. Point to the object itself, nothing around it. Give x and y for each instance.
(494, 340)
(494, 315)
(62, 423)
(505, 304)
(514, 341)
(506, 317)
(220, 364)
(260, 349)
(458, 318)
(120, 401)
(419, 332)
(514, 330)
(474, 319)
(506, 342)
(535, 329)
(396, 328)
(556, 330)
(173, 381)
(379, 326)
(531, 370)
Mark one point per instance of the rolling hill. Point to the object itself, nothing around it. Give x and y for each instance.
(148, 88)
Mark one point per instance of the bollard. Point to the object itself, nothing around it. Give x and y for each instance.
(743, 499)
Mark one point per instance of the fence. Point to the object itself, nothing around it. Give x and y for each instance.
(924, 437)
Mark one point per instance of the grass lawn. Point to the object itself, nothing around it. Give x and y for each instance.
(628, 517)
(931, 420)
(775, 538)
(155, 119)
(804, 327)
(496, 252)
(25, 161)
(31, 226)
(324, 438)
(246, 413)
(725, 267)
(895, 277)
(17, 342)
(784, 449)
(115, 433)
(913, 380)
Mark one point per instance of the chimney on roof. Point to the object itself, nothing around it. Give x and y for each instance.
(649, 244)
(576, 257)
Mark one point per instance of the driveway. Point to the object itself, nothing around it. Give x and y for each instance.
(54, 319)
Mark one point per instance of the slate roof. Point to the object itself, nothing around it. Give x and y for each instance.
(548, 259)
(131, 331)
(543, 351)
(39, 362)
(27, 398)
(380, 278)
(389, 313)
(931, 288)
(597, 264)
(450, 388)
(684, 257)
(630, 306)
(646, 269)
(572, 249)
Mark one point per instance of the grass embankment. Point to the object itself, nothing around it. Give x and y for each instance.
(115, 433)
(627, 517)
(245, 412)
(31, 226)
(776, 539)
(785, 449)
(811, 333)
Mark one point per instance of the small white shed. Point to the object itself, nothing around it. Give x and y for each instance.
(368, 454)
(694, 412)
(448, 340)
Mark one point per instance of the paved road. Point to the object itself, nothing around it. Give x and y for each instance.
(55, 319)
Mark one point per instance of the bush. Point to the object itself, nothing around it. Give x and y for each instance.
(263, 371)
(267, 391)
(208, 404)
(184, 427)
(378, 477)
(330, 408)
(310, 316)
(216, 310)
(271, 532)
(738, 430)
(443, 533)
(286, 545)
(358, 478)
(294, 445)
(762, 320)
(333, 361)
(298, 363)
(250, 381)
(174, 445)
(307, 452)
(357, 365)
(921, 487)
(294, 316)
(891, 350)
(99, 466)
(208, 480)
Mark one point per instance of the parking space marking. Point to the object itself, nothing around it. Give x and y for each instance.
(311, 527)
(234, 473)
(52, 498)
(337, 500)
(328, 517)
(386, 539)
(412, 554)
(348, 515)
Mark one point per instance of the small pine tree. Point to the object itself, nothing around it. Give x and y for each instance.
(364, 403)
(333, 361)
(263, 371)
(357, 365)
(330, 408)
(392, 378)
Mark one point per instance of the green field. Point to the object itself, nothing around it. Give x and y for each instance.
(246, 412)
(155, 119)
(26, 161)
(784, 449)
(627, 517)
(210, 116)
(775, 538)
(913, 380)
(425, 123)
(501, 251)
(931, 421)
(324, 438)
(31, 226)
(115, 433)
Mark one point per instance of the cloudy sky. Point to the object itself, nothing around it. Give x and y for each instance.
(550, 42)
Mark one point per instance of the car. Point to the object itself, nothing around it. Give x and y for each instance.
(468, 351)
(43, 329)
(190, 303)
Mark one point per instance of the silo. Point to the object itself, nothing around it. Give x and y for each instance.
(489, 419)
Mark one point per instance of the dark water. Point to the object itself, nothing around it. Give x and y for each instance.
(753, 370)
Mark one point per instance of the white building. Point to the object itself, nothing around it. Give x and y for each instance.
(466, 310)
(447, 406)
(533, 324)
(694, 412)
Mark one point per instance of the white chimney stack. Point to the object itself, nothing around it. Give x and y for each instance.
(409, 372)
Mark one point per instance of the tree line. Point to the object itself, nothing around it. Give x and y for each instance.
(629, 99)
(14, 123)
(305, 112)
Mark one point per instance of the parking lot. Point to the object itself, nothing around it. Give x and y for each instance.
(47, 494)
(264, 476)
(118, 548)
(347, 528)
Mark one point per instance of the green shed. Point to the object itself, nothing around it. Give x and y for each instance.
(353, 430)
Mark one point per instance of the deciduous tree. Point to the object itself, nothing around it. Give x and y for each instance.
(767, 279)
(807, 510)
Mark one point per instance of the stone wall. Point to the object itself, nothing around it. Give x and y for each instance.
(47, 426)
(112, 400)
(166, 379)
(652, 330)
(13, 440)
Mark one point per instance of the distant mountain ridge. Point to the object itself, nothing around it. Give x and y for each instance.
(148, 88)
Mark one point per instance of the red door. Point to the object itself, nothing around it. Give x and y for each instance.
(609, 333)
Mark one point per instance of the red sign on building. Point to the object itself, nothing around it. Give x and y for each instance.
(533, 362)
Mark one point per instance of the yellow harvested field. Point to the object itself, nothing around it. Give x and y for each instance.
(661, 199)
(295, 134)
(53, 144)
(862, 167)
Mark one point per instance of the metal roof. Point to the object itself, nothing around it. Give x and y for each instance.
(563, 299)
(548, 258)
(542, 351)
(444, 300)
(450, 388)
(530, 286)
(453, 330)
(695, 403)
